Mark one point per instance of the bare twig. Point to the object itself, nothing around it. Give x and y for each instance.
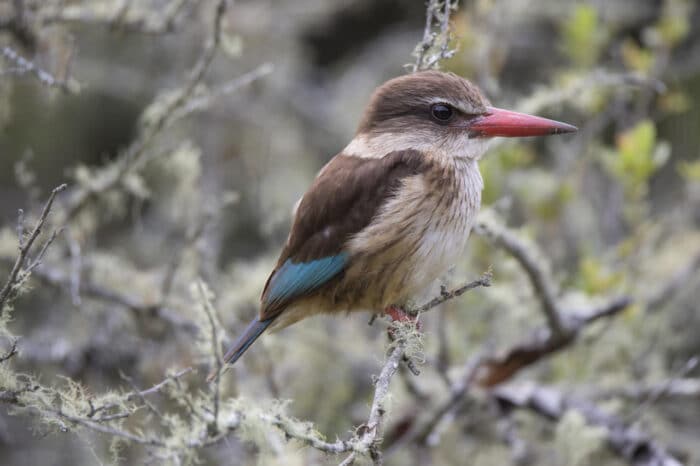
(159, 386)
(24, 248)
(105, 429)
(142, 394)
(672, 388)
(428, 36)
(445, 295)
(23, 66)
(662, 389)
(434, 46)
(308, 435)
(11, 352)
(201, 102)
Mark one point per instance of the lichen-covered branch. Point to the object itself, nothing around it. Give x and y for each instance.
(435, 45)
(52, 276)
(17, 275)
(635, 446)
(370, 433)
(532, 263)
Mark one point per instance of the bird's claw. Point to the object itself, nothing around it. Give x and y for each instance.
(397, 314)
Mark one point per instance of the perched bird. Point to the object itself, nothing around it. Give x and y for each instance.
(392, 212)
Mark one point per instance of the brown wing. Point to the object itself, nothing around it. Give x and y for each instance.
(342, 200)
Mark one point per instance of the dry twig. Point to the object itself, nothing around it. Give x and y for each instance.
(435, 46)
(22, 66)
(446, 295)
(16, 274)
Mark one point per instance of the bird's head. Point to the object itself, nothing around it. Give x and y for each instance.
(439, 113)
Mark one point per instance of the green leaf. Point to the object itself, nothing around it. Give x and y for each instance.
(637, 158)
(674, 25)
(690, 170)
(583, 37)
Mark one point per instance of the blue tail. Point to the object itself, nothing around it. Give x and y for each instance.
(250, 334)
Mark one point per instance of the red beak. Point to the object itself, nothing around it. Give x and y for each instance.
(498, 122)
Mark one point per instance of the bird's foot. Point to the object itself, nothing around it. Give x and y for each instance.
(397, 314)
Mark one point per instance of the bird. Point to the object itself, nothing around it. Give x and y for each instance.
(392, 212)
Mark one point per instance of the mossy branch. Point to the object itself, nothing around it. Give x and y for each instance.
(18, 275)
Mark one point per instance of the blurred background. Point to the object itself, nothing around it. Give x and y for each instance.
(184, 153)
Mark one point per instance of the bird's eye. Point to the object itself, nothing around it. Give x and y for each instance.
(441, 112)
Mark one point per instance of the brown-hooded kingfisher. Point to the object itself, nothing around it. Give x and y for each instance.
(392, 211)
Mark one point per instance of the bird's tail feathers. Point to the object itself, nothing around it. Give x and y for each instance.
(254, 329)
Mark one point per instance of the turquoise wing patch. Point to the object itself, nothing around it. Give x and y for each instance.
(293, 280)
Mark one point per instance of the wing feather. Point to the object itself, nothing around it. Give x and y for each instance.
(343, 199)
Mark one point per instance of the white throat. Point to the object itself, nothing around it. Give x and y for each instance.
(378, 146)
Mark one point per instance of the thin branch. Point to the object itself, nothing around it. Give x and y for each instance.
(159, 386)
(428, 37)
(370, 438)
(308, 436)
(102, 428)
(672, 388)
(444, 51)
(215, 352)
(532, 263)
(34, 263)
(11, 352)
(654, 396)
(20, 227)
(201, 102)
(434, 46)
(142, 394)
(636, 447)
(24, 248)
(445, 295)
(23, 66)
